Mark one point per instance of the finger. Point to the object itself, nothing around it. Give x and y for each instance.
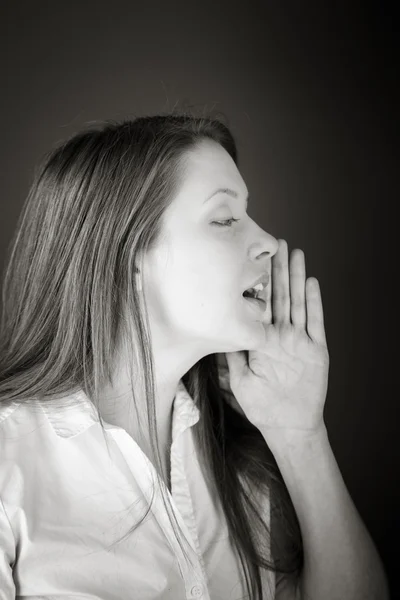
(280, 285)
(297, 273)
(315, 314)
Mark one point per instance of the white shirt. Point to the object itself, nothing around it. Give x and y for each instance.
(63, 500)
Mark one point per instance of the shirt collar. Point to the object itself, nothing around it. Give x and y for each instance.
(80, 414)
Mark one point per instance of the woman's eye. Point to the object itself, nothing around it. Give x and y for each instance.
(226, 223)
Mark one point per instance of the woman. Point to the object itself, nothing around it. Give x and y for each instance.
(142, 418)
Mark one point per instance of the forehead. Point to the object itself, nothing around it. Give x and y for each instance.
(208, 166)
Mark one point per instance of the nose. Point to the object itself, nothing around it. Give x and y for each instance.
(269, 247)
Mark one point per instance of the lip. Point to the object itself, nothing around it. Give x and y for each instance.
(258, 304)
(264, 279)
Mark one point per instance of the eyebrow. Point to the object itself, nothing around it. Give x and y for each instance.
(226, 191)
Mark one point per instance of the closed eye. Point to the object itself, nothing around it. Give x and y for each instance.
(227, 223)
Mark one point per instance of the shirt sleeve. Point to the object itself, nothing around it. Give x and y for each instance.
(7, 556)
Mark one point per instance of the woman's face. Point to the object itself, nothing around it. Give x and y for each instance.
(194, 279)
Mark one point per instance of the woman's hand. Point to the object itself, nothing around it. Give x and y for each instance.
(282, 386)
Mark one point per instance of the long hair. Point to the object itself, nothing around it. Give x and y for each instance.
(95, 206)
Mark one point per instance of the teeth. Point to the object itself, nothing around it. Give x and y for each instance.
(256, 291)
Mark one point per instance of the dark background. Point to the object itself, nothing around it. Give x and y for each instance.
(309, 92)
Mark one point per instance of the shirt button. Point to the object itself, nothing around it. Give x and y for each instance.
(196, 591)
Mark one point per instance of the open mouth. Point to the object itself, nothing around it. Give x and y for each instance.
(254, 300)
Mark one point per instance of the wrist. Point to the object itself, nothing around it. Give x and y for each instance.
(277, 439)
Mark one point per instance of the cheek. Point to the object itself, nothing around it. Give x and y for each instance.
(195, 305)
(195, 283)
